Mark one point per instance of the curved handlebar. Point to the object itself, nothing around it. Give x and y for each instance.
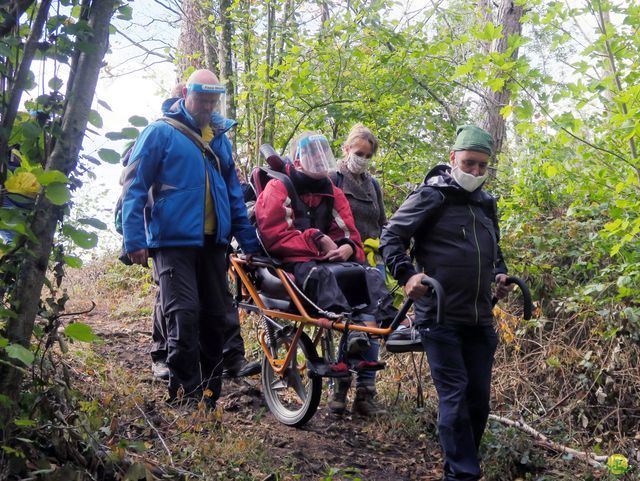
(436, 290)
(272, 158)
(526, 296)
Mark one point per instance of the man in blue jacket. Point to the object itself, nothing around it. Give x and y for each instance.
(195, 205)
(234, 362)
(454, 227)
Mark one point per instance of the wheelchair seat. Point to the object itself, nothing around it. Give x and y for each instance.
(271, 290)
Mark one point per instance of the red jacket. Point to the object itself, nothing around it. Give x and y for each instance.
(275, 217)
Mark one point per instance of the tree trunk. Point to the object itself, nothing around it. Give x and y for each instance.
(226, 63)
(190, 42)
(509, 16)
(209, 38)
(262, 125)
(485, 14)
(603, 21)
(26, 297)
(286, 31)
(249, 111)
(18, 85)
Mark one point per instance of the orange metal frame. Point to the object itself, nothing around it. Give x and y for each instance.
(279, 365)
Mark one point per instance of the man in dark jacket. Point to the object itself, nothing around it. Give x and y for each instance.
(454, 227)
(197, 207)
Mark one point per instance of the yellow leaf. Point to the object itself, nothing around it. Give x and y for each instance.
(24, 183)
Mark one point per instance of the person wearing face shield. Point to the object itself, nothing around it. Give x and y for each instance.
(182, 206)
(314, 242)
(453, 224)
(235, 363)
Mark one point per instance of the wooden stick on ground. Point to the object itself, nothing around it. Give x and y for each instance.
(542, 440)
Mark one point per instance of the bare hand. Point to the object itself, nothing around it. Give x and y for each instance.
(414, 287)
(340, 254)
(326, 244)
(502, 289)
(140, 257)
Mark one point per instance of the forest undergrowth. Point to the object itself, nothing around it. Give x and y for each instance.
(107, 417)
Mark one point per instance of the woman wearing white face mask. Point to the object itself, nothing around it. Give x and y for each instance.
(365, 199)
(361, 188)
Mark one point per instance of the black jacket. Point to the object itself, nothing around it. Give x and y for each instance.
(455, 240)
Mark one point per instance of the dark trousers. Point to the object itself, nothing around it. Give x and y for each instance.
(233, 351)
(322, 283)
(461, 358)
(193, 290)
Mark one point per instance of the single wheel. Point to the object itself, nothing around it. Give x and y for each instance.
(293, 397)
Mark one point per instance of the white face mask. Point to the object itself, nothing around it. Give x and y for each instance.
(468, 182)
(356, 164)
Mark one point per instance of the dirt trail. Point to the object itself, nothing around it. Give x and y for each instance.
(326, 442)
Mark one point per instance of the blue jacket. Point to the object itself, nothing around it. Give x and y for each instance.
(170, 176)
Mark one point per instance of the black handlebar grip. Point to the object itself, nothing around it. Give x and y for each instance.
(440, 296)
(402, 313)
(526, 296)
(271, 157)
(440, 300)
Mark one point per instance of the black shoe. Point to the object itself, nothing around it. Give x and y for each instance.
(243, 368)
(160, 370)
(404, 340)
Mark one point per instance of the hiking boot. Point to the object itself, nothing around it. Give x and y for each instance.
(242, 368)
(357, 343)
(338, 400)
(404, 340)
(365, 404)
(160, 370)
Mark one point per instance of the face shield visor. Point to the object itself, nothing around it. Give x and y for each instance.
(207, 99)
(315, 156)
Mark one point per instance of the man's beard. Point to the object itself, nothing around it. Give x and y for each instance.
(202, 119)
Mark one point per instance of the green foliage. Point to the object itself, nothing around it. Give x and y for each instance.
(16, 351)
(26, 145)
(509, 454)
(570, 203)
(80, 332)
(341, 474)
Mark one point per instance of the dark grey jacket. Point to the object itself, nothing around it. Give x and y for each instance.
(455, 240)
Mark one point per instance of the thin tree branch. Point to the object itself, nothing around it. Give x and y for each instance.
(306, 113)
(143, 48)
(542, 440)
(166, 448)
(614, 71)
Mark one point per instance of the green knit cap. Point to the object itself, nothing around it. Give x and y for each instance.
(470, 137)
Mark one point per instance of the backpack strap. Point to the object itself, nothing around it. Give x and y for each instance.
(305, 217)
(195, 138)
(337, 178)
(296, 203)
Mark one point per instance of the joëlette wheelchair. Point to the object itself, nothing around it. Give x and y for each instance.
(296, 335)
